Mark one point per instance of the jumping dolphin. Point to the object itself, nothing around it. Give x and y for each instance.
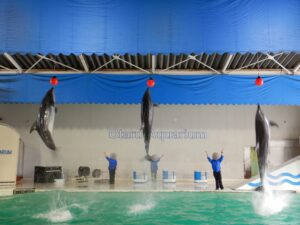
(262, 130)
(146, 119)
(45, 121)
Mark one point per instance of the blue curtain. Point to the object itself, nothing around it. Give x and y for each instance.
(149, 26)
(169, 89)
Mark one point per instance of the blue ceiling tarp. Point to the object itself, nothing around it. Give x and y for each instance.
(169, 89)
(156, 26)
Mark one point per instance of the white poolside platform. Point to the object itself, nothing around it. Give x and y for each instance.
(127, 186)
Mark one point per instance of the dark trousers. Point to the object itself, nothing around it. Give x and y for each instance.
(112, 174)
(218, 178)
(153, 175)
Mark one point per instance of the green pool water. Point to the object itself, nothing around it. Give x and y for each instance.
(140, 208)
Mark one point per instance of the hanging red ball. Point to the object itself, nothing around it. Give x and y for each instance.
(150, 83)
(53, 81)
(259, 81)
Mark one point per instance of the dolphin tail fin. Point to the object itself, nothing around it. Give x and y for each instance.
(148, 157)
(147, 148)
(260, 188)
(256, 146)
(273, 124)
(268, 163)
(33, 127)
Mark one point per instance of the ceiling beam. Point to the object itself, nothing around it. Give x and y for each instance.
(84, 64)
(193, 57)
(33, 65)
(59, 63)
(13, 61)
(296, 68)
(176, 64)
(227, 63)
(117, 57)
(259, 61)
(103, 65)
(153, 63)
(6, 68)
(273, 59)
(157, 71)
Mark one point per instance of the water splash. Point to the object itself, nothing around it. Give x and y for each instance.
(56, 216)
(84, 208)
(269, 201)
(58, 212)
(62, 214)
(141, 208)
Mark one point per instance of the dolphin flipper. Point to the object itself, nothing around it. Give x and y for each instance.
(273, 124)
(33, 127)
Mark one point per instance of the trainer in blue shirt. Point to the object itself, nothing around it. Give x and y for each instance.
(154, 159)
(112, 166)
(216, 166)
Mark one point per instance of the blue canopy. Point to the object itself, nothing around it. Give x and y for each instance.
(169, 89)
(148, 26)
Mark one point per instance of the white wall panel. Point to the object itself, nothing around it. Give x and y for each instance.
(81, 134)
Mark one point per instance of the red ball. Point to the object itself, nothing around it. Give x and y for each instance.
(259, 81)
(150, 83)
(53, 81)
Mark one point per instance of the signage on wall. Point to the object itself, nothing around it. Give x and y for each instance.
(162, 135)
(5, 152)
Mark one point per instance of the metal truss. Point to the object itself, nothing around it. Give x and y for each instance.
(228, 61)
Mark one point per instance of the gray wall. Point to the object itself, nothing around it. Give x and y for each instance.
(81, 133)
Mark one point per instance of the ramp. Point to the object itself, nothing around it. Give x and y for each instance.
(284, 177)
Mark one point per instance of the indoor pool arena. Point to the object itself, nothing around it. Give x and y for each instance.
(149, 112)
